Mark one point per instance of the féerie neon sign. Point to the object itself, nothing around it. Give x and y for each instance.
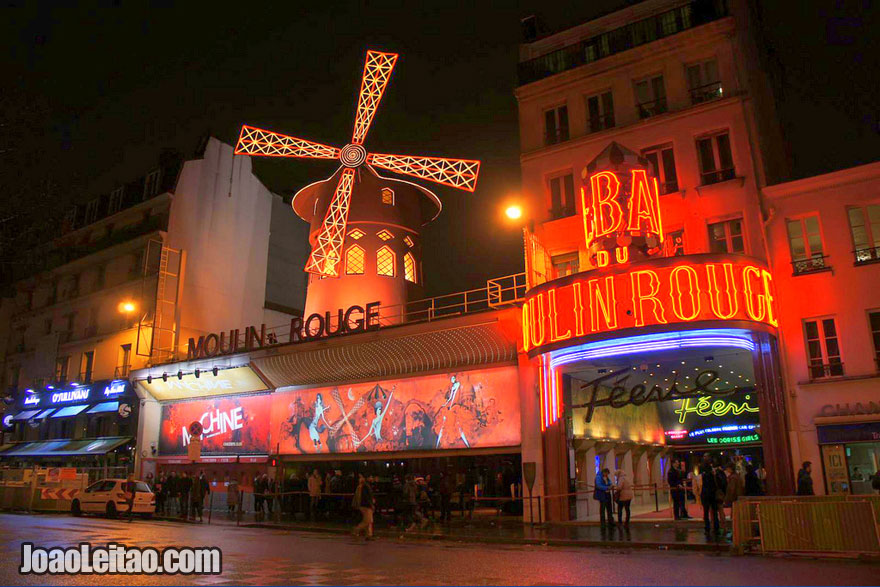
(704, 407)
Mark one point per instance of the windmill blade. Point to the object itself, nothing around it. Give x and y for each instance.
(377, 72)
(256, 141)
(457, 173)
(328, 247)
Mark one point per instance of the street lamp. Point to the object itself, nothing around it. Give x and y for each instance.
(126, 307)
(514, 212)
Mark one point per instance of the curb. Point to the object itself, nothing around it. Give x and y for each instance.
(556, 542)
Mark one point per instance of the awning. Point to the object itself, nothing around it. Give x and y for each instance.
(26, 415)
(52, 448)
(69, 411)
(104, 407)
(44, 413)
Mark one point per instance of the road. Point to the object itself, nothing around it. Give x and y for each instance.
(256, 556)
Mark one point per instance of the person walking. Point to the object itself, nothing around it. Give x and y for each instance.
(160, 493)
(735, 487)
(752, 484)
(314, 494)
(677, 491)
(184, 486)
(625, 494)
(709, 496)
(411, 500)
(805, 479)
(365, 503)
(231, 495)
(200, 491)
(129, 488)
(171, 489)
(602, 494)
(445, 489)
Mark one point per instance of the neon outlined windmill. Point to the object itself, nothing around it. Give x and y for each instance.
(327, 249)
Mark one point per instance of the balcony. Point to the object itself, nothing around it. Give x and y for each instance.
(814, 264)
(668, 187)
(85, 377)
(603, 122)
(717, 176)
(552, 137)
(825, 370)
(122, 371)
(562, 212)
(706, 93)
(665, 24)
(867, 256)
(652, 108)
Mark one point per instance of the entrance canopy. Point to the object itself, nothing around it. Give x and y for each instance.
(63, 448)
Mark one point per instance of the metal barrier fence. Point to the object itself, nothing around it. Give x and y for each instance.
(584, 504)
(845, 524)
(41, 489)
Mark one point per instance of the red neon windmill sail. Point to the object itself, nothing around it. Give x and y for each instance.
(327, 246)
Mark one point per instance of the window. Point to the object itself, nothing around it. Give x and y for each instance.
(101, 277)
(874, 321)
(703, 81)
(385, 262)
(864, 224)
(124, 361)
(385, 235)
(91, 211)
(674, 243)
(805, 242)
(662, 160)
(409, 267)
(562, 196)
(716, 162)
(356, 234)
(85, 367)
(151, 184)
(408, 241)
(115, 203)
(727, 236)
(92, 326)
(556, 125)
(823, 350)
(62, 364)
(388, 196)
(650, 96)
(563, 265)
(354, 260)
(600, 112)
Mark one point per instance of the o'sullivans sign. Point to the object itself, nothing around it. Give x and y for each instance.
(654, 292)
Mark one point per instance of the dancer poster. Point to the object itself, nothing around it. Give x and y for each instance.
(456, 410)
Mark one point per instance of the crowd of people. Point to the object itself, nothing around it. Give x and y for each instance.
(180, 495)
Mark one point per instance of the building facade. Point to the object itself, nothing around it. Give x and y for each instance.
(137, 272)
(823, 233)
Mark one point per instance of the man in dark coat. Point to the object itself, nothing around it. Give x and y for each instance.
(677, 491)
(805, 479)
(709, 495)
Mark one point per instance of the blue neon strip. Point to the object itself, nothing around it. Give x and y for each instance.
(631, 345)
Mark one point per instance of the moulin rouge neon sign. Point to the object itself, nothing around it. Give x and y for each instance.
(657, 292)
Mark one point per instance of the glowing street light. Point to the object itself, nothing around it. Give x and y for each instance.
(514, 212)
(126, 307)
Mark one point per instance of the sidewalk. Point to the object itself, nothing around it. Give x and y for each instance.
(501, 530)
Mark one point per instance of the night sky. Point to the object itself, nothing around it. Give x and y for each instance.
(93, 92)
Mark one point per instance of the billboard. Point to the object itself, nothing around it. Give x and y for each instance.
(231, 425)
(226, 382)
(732, 418)
(456, 410)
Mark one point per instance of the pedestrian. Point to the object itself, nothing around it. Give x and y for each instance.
(805, 479)
(875, 481)
(365, 503)
(200, 491)
(445, 489)
(761, 472)
(752, 484)
(171, 494)
(231, 494)
(160, 493)
(129, 488)
(314, 494)
(602, 494)
(734, 487)
(624, 491)
(677, 491)
(697, 485)
(269, 492)
(721, 491)
(709, 495)
(184, 489)
(259, 496)
(411, 502)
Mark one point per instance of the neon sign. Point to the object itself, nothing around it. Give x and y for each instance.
(704, 406)
(114, 388)
(31, 400)
(651, 293)
(74, 395)
(733, 439)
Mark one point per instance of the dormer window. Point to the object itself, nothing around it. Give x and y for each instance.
(385, 235)
(409, 241)
(356, 234)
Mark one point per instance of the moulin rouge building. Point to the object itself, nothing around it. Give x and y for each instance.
(648, 324)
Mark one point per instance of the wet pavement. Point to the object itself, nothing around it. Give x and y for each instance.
(261, 556)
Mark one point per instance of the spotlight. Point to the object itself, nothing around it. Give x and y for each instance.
(196, 373)
(164, 376)
(709, 358)
(215, 370)
(180, 374)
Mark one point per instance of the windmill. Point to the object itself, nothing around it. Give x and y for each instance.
(357, 173)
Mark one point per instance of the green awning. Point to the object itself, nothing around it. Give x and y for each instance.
(52, 448)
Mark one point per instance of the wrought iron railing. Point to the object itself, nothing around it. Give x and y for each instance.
(122, 371)
(652, 108)
(638, 33)
(706, 93)
(823, 370)
(867, 255)
(717, 176)
(551, 137)
(810, 265)
(602, 122)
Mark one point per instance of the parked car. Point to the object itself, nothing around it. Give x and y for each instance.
(109, 497)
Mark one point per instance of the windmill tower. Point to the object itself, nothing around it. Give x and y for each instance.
(364, 227)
